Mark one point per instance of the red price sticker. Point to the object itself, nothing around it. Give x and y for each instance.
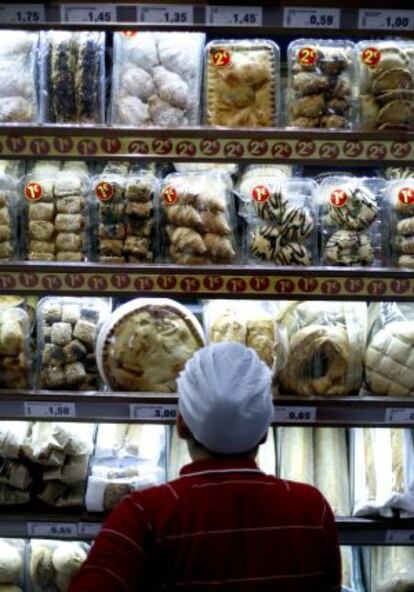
(104, 191)
(406, 196)
(338, 198)
(371, 56)
(169, 195)
(307, 56)
(220, 57)
(33, 191)
(129, 33)
(260, 194)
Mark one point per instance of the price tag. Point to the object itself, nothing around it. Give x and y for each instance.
(235, 15)
(22, 13)
(67, 530)
(392, 20)
(399, 416)
(88, 529)
(94, 13)
(295, 414)
(154, 412)
(315, 18)
(172, 14)
(55, 410)
(399, 537)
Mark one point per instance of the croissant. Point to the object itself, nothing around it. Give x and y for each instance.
(211, 201)
(184, 216)
(215, 223)
(184, 259)
(186, 239)
(219, 247)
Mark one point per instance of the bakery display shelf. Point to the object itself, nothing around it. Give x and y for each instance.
(161, 408)
(208, 144)
(238, 281)
(81, 525)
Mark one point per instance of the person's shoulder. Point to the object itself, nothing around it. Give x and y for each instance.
(305, 491)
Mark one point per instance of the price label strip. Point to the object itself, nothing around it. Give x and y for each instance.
(152, 412)
(88, 529)
(22, 13)
(399, 537)
(295, 414)
(67, 530)
(173, 14)
(390, 20)
(51, 410)
(239, 16)
(93, 13)
(315, 18)
(399, 416)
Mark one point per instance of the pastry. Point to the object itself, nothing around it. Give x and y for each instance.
(296, 223)
(357, 208)
(406, 261)
(241, 85)
(346, 247)
(160, 336)
(389, 360)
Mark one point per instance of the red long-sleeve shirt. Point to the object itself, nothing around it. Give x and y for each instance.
(223, 525)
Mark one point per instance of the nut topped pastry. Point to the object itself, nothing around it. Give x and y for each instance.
(242, 83)
(321, 74)
(145, 344)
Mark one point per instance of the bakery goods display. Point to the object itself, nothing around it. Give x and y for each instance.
(126, 458)
(241, 86)
(352, 213)
(12, 556)
(253, 326)
(401, 204)
(55, 219)
(125, 207)
(67, 330)
(18, 89)
(15, 360)
(145, 344)
(8, 218)
(389, 354)
(281, 219)
(386, 85)
(156, 79)
(53, 564)
(73, 77)
(321, 83)
(319, 349)
(197, 219)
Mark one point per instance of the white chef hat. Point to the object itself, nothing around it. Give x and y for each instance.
(225, 397)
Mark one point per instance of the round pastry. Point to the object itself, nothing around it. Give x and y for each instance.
(406, 261)
(357, 211)
(11, 563)
(296, 223)
(145, 344)
(42, 572)
(389, 360)
(318, 362)
(405, 245)
(271, 209)
(346, 247)
(393, 79)
(398, 113)
(310, 83)
(265, 241)
(227, 326)
(405, 227)
(309, 106)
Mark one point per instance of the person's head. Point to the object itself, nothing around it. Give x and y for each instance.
(225, 403)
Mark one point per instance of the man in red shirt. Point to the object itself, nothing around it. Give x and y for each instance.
(224, 524)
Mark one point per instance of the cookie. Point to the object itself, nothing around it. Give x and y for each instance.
(355, 209)
(296, 223)
(350, 248)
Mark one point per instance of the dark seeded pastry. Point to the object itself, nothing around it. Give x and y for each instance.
(62, 67)
(87, 78)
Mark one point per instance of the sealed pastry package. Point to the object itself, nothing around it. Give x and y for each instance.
(197, 219)
(392, 568)
(73, 77)
(18, 75)
(156, 79)
(67, 329)
(15, 359)
(55, 216)
(401, 204)
(125, 208)
(281, 217)
(364, 455)
(331, 468)
(252, 325)
(242, 83)
(385, 71)
(53, 564)
(145, 344)
(295, 454)
(12, 559)
(319, 348)
(321, 83)
(139, 441)
(8, 218)
(353, 213)
(389, 354)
